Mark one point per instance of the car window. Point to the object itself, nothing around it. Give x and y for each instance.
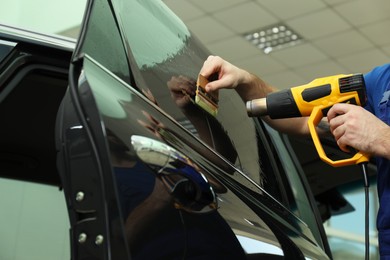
(145, 193)
(299, 200)
(35, 221)
(5, 48)
(103, 42)
(168, 67)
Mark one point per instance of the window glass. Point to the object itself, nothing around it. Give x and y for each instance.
(167, 76)
(103, 42)
(160, 38)
(5, 48)
(169, 71)
(298, 200)
(349, 228)
(154, 211)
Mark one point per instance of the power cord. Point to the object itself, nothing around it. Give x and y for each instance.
(367, 209)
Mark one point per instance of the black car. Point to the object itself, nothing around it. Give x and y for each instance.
(145, 172)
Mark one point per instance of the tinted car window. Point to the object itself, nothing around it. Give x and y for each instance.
(166, 72)
(175, 63)
(171, 65)
(149, 218)
(103, 41)
(5, 48)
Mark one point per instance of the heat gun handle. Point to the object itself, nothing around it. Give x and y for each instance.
(314, 119)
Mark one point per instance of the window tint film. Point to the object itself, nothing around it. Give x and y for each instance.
(103, 42)
(165, 59)
(156, 188)
(168, 58)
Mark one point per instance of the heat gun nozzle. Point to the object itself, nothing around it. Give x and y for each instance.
(257, 107)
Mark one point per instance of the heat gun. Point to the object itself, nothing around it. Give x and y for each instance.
(314, 100)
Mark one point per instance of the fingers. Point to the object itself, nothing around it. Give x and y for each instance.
(224, 82)
(339, 134)
(343, 123)
(337, 109)
(211, 65)
(228, 74)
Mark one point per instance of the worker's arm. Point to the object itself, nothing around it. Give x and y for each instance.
(354, 126)
(250, 87)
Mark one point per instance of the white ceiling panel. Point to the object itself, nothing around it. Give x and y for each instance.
(290, 9)
(341, 36)
(233, 49)
(386, 49)
(364, 61)
(215, 5)
(319, 24)
(261, 64)
(378, 33)
(335, 2)
(284, 79)
(184, 9)
(300, 55)
(214, 31)
(322, 69)
(363, 11)
(245, 17)
(343, 43)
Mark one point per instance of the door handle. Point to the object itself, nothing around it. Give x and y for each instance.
(185, 182)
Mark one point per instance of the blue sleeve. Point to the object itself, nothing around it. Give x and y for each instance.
(376, 81)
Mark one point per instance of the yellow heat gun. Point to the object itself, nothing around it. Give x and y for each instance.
(314, 100)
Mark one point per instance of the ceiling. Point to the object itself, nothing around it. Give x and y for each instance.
(340, 36)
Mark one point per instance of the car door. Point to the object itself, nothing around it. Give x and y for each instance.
(33, 80)
(149, 174)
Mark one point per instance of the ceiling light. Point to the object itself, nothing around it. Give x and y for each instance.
(273, 38)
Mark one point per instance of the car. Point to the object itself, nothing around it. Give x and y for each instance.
(145, 173)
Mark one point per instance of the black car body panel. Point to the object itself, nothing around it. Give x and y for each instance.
(145, 172)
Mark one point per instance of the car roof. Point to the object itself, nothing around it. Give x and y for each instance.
(54, 41)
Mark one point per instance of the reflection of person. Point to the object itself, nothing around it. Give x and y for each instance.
(209, 129)
(135, 182)
(366, 130)
(154, 227)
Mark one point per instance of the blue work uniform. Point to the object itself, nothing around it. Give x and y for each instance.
(378, 102)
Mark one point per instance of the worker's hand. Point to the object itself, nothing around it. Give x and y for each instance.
(353, 126)
(229, 76)
(247, 85)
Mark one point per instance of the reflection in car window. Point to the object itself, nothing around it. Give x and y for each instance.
(5, 48)
(152, 214)
(167, 76)
(170, 69)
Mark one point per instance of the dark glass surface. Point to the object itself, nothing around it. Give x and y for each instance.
(231, 152)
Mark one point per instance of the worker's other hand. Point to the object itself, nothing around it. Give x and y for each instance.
(353, 126)
(229, 76)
